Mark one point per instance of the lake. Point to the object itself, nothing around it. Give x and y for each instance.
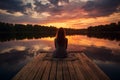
(14, 54)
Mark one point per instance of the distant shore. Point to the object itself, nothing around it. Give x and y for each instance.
(20, 31)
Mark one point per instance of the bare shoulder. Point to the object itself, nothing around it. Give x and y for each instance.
(66, 39)
(55, 39)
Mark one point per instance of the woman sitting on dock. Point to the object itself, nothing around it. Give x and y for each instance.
(60, 44)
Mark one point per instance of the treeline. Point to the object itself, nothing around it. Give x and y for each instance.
(20, 28)
(109, 31)
(19, 31)
(34, 29)
(113, 27)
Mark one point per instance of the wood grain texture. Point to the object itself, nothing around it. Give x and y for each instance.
(80, 67)
(66, 74)
(24, 73)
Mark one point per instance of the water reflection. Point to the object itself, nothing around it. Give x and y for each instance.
(11, 62)
(107, 59)
(16, 53)
(86, 41)
(103, 54)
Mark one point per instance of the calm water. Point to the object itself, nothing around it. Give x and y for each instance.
(15, 54)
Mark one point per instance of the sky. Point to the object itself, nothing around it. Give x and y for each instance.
(60, 13)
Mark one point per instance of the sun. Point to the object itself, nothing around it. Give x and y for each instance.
(58, 24)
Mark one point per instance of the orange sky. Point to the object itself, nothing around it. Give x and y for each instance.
(85, 22)
(61, 13)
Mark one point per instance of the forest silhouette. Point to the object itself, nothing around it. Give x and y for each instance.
(19, 31)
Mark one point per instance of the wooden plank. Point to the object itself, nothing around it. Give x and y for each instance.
(66, 74)
(24, 72)
(47, 71)
(53, 70)
(95, 68)
(83, 69)
(71, 71)
(90, 74)
(40, 71)
(34, 71)
(59, 71)
(79, 74)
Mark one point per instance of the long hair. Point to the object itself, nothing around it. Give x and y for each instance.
(60, 36)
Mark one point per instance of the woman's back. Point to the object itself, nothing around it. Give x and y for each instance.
(63, 44)
(60, 51)
(60, 44)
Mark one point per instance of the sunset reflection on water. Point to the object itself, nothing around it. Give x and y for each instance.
(15, 54)
(86, 41)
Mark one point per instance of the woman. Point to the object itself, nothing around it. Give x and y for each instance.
(60, 44)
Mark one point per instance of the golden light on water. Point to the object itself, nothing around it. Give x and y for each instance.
(87, 41)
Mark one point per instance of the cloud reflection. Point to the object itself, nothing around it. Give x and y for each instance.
(11, 62)
(18, 48)
(15, 54)
(103, 54)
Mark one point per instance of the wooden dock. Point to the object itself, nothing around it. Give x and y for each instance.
(76, 67)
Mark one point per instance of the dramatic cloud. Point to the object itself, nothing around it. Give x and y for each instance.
(101, 7)
(25, 19)
(68, 13)
(51, 6)
(14, 5)
(54, 2)
(87, 8)
(57, 2)
(39, 7)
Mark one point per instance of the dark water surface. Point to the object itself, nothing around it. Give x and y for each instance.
(15, 54)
